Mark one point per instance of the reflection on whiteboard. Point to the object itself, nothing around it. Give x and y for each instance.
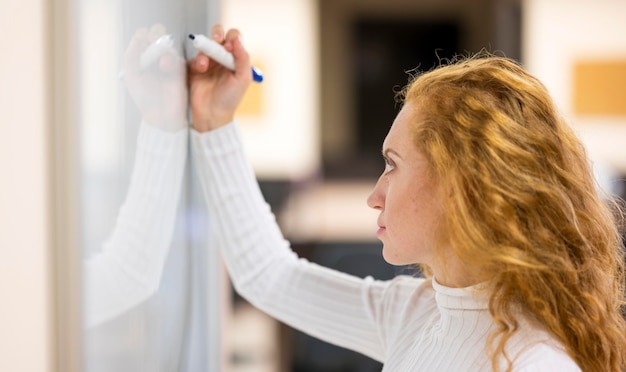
(128, 268)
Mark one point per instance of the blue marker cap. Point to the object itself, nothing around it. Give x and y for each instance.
(257, 75)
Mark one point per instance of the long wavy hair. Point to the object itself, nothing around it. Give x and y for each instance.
(525, 213)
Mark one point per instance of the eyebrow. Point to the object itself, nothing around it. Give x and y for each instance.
(388, 151)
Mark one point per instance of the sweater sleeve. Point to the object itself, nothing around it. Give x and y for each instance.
(327, 304)
(128, 268)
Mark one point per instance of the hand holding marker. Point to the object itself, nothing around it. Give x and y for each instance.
(155, 50)
(217, 52)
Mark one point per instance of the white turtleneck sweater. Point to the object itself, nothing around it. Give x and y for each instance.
(409, 324)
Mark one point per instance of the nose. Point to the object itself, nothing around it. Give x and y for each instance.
(376, 198)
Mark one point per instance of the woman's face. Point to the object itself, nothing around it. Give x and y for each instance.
(406, 196)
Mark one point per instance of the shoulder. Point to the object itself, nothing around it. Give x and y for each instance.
(400, 306)
(546, 358)
(408, 298)
(408, 289)
(538, 352)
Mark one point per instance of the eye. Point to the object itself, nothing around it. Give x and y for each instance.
(388, 166)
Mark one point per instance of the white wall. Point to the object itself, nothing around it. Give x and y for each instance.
(282, 141)
(25, 320)
(556, 33)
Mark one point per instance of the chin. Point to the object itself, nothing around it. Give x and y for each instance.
(392, 259)
(397, 258)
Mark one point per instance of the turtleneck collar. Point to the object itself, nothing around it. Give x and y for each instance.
(474, 297)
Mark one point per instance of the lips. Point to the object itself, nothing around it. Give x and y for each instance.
(381, 225)
(381, 229)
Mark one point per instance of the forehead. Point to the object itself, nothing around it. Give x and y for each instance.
(400, 132)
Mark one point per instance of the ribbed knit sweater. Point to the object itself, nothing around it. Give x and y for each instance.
(128, 269)
(409, 324)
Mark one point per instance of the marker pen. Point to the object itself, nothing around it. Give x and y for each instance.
(152, 53)
(155, 50)
(218, 53)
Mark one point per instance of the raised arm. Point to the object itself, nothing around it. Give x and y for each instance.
(333, 306)
(128, 268)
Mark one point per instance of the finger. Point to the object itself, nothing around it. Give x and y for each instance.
(141, 36)
(217, 33)
(202, 62)
(231, 35)
(170, 62)
(137, 45)
(156, 31)
(199, 64)
(138, 42)
(166, 63)
(242, 59)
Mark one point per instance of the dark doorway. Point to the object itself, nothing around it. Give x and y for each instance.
(384, 54)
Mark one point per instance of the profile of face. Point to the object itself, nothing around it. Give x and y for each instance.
(406, 195)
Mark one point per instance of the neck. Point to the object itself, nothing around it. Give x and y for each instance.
(451, 273)
(457, 282)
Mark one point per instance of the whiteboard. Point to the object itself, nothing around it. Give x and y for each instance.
(150, 299)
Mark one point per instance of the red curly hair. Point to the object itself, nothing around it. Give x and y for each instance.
(527, 213)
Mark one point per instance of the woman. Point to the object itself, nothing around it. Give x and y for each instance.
(485, 187)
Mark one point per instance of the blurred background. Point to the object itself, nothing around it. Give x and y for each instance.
(313, 131)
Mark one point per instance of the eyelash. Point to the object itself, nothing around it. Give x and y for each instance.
(388, 166)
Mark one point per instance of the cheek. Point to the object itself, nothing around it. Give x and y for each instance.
(404, 243)
(405, 235)
(417, 217)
